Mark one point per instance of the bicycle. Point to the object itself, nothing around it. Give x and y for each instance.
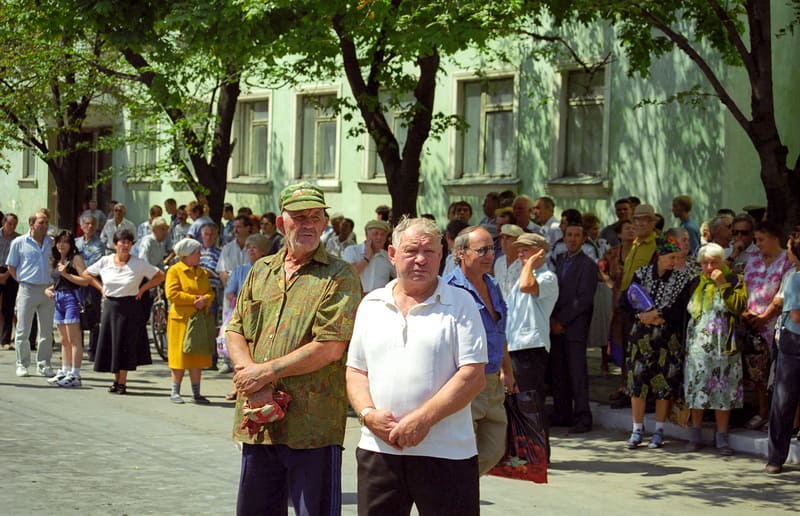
(158, 322)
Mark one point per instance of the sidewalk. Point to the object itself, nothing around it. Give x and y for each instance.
(741, 440)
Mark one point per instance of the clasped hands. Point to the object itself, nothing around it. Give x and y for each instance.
(408, 432)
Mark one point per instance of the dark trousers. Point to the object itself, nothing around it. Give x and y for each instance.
(94, 301)
(530, 368)
(785, 394)
(9, 301)
(570, 380)
(272, 473)
(389, 485)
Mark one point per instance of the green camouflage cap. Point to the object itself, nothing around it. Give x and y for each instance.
(302, 196)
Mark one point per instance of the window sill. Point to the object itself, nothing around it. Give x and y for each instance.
(326, 185)
(144, 184)
(579, 187)
(244, 184)
(376, 185)
(480, 186)
(27, 183)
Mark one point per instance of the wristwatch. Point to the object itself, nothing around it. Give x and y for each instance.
(363, 414)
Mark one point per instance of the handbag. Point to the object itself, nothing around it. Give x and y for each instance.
(89, 313)
(526, 440)
(200, 337)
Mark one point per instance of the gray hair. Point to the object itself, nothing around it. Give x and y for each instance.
(258, 240)
(421, 224)
(87, 217)
(461, 243)
(710, 250)
(717, 221)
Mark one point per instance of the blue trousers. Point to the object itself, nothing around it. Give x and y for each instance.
(272, 473)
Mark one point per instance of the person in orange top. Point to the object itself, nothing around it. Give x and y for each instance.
(188, 290)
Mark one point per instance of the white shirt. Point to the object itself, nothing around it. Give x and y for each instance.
(121, 281)
(409, 359)
(111, 227)
(231, 257)
(552, 231)
(378, 272)
(506, 275)
(528, 323)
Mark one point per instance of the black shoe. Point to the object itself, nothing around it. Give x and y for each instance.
(581, 428)
(113, 387)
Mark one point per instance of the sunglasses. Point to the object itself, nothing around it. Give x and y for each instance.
(738, 232)
(483, 251)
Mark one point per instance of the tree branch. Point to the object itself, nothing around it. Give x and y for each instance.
(733, 36)
(687, 48)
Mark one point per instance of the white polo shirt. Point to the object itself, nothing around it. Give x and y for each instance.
(409, 359)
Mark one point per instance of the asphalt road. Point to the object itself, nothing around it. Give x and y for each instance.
(85, 451)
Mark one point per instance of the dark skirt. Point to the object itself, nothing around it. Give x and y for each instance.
(655, 362)
(122, 344)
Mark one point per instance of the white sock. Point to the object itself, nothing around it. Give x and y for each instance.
(638, 427)
(76, 372)
(659, 426)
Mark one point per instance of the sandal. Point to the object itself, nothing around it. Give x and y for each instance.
(231, 396)
(113, 388)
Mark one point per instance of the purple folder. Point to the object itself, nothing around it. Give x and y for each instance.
(639, 299)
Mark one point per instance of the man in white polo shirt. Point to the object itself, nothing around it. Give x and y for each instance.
(416, 361)
(370, 258)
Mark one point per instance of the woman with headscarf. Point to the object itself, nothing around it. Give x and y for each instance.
(713, 371)
(188, 290)
(122, 344)
(655, 344)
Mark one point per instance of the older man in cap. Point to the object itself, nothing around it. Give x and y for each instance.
(507, 266)
(289, 331)
(644, 246)
(530, 304)
(369, 257)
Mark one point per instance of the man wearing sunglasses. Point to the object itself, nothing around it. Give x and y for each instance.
(474, 255)
(742, 245)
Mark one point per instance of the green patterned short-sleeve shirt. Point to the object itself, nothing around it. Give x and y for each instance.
(275, 317)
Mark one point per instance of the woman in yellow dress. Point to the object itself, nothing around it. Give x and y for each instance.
(188, 290)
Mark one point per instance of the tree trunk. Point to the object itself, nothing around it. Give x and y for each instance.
(65, 177)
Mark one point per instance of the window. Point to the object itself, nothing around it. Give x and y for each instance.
(582, 122)
(254, 139)
(29, 164)
(317, 138)
(143, 147)
(487, 145)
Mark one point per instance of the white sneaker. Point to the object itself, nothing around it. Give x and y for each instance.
(45, 371)
(60, 375)
(69, 381)
(22, 371)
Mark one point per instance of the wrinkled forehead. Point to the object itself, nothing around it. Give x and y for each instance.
(414, 237)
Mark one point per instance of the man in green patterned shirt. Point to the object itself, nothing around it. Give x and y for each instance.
(289, 332)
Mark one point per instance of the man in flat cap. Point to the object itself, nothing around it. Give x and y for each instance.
(369, 257)
(288, 333)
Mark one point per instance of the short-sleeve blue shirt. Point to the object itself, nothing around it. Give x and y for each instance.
(791, 301)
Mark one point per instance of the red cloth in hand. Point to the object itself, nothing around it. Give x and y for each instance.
(253, 418)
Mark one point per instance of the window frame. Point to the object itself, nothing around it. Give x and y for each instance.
(333, 181)
(590, 185)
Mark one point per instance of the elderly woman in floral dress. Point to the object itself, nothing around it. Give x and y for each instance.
(713, 370)
(763, 274)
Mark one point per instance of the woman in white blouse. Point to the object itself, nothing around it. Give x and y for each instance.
(122, 344)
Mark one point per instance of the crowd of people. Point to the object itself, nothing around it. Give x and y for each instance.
(439, 325)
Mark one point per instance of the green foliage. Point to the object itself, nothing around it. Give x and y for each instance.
(46, 86)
